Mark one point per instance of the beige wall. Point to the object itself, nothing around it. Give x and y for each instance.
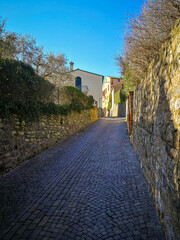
(94, 83)
(105, 99)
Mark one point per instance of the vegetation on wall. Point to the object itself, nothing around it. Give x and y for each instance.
(20, 83)
(144, 36)
(110, 102)
(29, 96)
(78, 99)
(119, 96)
(33, 111)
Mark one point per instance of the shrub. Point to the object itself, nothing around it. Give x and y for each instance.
(145, 34)
(32, 111)
(19, 83)
(79, 100)
(30, 96)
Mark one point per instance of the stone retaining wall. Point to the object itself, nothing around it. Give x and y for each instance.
(20, 141)
(156, 132)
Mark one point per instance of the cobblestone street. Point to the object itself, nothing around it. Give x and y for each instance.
(88, 186)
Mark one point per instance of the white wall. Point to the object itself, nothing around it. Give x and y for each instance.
(107, 82)
(94, 83)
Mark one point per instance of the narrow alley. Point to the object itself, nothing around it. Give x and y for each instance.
(89, 186)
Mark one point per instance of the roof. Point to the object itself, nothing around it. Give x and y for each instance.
(113, 77)
(87, 72)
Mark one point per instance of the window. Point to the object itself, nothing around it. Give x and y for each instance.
(78, 82)
(108, 87)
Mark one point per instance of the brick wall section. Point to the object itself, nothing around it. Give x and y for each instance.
(20, 141)
(156, 131)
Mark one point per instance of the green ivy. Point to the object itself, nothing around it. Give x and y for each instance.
(110, 102)
(31, 111)
(119, 96)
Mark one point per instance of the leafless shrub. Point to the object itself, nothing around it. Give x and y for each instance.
(146, 33)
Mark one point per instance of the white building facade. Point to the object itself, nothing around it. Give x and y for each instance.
(106, 89)
(89, 83)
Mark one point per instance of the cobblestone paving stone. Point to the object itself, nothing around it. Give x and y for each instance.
(88, 186)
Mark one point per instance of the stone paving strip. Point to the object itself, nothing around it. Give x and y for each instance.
(88, 186)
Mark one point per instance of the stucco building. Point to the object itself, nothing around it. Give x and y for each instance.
(88, 82)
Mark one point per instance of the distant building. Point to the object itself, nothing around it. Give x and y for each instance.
(115, 81)
(89, 83)
(109, 84)
(118, 108)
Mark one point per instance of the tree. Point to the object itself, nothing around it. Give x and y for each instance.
(53, 64)
(24, 48)
(145, 35)
(20, 83)
(28, 51)
(129, 80)
(8, 48)
(55, 70)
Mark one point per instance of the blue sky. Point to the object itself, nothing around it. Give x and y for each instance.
(88, 32)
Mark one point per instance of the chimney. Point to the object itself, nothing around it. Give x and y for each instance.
(71, 66)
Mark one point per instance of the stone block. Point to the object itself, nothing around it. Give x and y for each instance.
(6, 155)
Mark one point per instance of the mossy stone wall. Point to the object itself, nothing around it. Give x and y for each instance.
(22, 140)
